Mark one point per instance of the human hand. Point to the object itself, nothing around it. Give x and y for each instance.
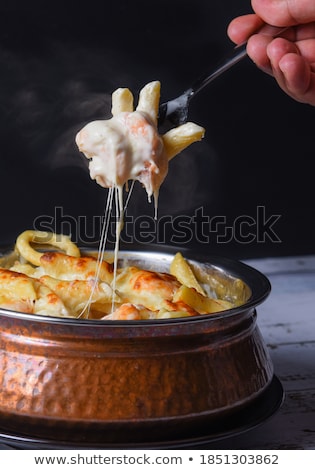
(290, 59)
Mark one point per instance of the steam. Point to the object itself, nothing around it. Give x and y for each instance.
(48, 98)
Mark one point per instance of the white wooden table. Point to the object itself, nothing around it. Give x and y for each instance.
(287, 322)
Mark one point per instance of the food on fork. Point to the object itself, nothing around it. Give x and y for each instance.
(129, 147)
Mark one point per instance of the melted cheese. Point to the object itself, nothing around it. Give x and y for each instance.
(128, 311)
(16, 291)
(86, 287)
(74, 294)
(147, 288)
(125, 147)
(69, 268)
(22, 293)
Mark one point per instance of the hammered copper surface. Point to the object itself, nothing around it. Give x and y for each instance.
(88, 376)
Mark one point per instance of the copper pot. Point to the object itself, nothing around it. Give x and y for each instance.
(82, 379)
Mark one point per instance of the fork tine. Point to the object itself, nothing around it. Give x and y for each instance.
(173, 113)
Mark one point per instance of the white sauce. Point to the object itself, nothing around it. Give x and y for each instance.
(125, 147)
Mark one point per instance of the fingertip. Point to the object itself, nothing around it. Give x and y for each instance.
(279, 47)
(233, 31)
(256, 50)
(242, 27)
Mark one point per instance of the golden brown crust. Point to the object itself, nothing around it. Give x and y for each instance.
(67, 267)
(146, 288)
(24, 294)
(83, 287)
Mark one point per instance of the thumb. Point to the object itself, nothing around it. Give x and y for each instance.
(285, 12)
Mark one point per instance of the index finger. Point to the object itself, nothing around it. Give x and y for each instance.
(242, 27)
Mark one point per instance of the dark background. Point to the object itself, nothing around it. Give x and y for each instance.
(58, 67)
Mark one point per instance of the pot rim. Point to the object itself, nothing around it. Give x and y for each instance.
(257, 282)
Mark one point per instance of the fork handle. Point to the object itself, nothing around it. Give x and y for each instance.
(231, 58)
